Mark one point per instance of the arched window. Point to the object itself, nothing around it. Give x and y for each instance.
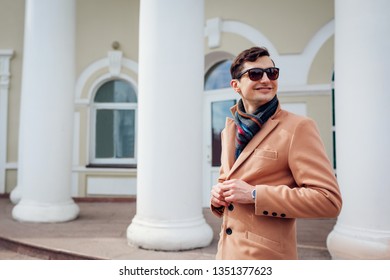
(218, 76)
(114, 114)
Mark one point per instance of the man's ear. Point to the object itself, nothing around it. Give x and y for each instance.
(235, 85)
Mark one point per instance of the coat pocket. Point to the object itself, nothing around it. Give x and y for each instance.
(269, 154)
(264, 160)
(272, 244)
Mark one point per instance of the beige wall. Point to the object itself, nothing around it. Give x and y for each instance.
(11, 32)
(322, 68)
(11, 37)
(288, 24)
(100, 23)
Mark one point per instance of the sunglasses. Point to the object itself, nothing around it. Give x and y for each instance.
(256, 74)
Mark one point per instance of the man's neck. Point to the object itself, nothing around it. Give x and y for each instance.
(250, 108)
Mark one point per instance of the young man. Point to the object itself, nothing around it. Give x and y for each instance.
(274, 168)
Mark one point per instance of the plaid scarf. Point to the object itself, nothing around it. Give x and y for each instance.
(249, 124)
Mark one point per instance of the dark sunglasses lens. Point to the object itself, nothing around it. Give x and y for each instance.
(255, 74)
(272, 73)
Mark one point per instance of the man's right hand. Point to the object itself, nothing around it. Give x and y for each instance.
(217, 198)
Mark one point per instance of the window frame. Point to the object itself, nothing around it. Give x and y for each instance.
(212, 70)
(94, 107)
(212, 59)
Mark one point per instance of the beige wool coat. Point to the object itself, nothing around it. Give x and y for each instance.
(287, 163)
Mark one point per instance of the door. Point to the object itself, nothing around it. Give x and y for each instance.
(217, 104)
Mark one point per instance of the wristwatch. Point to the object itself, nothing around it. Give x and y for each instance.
(254, 194)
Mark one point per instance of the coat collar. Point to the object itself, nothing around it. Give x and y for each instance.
(268, 127)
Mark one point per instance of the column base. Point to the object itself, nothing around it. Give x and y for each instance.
(32, 211)
(349, 243)
(169, 235)
(16, 195)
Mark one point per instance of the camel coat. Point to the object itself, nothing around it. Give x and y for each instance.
(293, 177)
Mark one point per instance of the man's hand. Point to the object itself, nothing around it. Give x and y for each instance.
(237, 190)
(217, 198)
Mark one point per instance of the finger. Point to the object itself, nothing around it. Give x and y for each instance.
(227, 193)
(229, 182)
(217, 194)
(217, 203)
(216, 187)
(229, 199)
(227, 187)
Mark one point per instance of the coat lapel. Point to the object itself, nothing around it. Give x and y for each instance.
(252, 145)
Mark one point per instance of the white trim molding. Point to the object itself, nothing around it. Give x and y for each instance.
(305, 90)
(103, 185)
(114, 62)
(5, 58)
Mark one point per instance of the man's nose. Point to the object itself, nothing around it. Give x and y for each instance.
(264, 78)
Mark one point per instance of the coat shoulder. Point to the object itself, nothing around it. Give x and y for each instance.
(291, 120)
(283, 114)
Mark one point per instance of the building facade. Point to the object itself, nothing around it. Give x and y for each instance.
(109, 97)
(106, 60)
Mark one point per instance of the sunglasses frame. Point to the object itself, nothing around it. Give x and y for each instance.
(264, 70)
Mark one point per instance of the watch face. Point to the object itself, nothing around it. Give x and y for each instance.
(254, 194)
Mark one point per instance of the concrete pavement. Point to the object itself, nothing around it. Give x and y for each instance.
(100, 233)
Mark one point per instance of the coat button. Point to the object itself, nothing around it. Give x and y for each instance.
(283, 215)
(230, 207)
(265, 213)
(274, 214)
(229, 231)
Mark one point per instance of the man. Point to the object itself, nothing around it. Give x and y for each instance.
(274, 168)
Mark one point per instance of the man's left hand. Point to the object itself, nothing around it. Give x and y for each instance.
(236, 190)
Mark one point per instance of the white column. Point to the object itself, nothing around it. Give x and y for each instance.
(362, 71)
(169, 182)
(47, 112)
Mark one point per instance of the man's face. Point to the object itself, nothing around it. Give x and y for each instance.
(255, 93)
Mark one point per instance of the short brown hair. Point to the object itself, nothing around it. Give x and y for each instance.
(251, 55)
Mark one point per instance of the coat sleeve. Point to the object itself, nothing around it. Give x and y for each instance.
(222, 177)
(316, 192)
(218, 211)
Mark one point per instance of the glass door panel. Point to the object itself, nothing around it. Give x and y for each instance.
(219, 111)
